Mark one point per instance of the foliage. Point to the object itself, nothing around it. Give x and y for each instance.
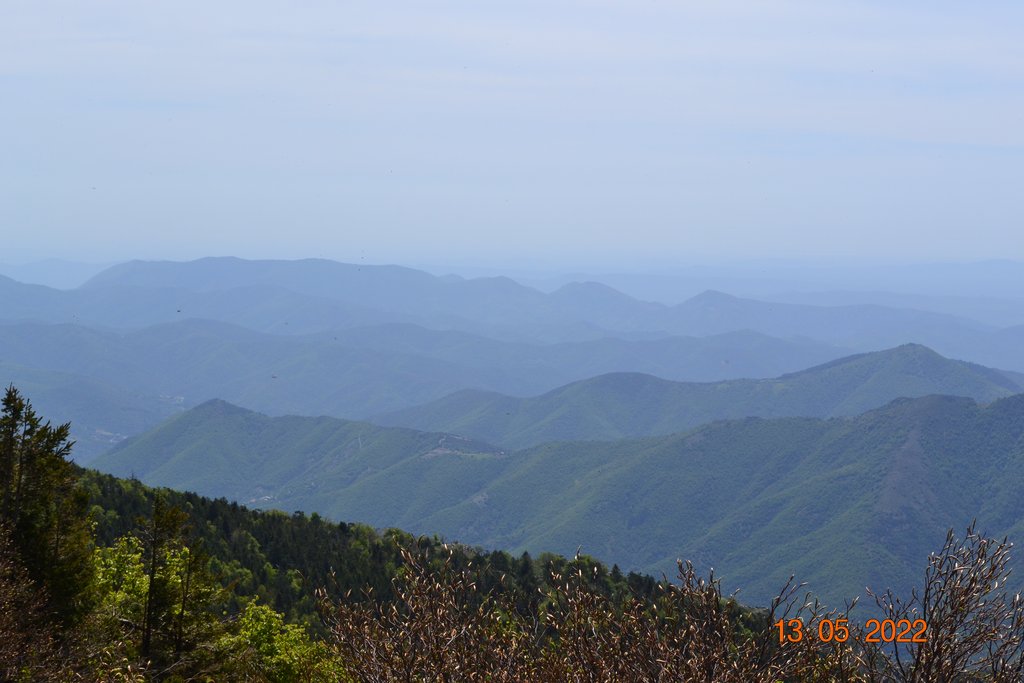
(280, 559)
(120, 587)
(160, 614)
(42, 505)
(263, 647)
(443, 629)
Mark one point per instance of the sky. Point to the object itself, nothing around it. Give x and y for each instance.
(513, 134)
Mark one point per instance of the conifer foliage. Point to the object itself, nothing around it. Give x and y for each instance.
(42, 505)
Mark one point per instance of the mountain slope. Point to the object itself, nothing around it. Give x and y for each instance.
(255, 459)
(616, 406)
(755, 498)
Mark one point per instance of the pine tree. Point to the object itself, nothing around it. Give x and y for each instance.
(43, 507)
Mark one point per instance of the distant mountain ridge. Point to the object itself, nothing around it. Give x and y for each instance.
(622, 405)
(351, 373)
(395, 290)
(498, 305)
(856, 326)
(843, 503)
(315, 295)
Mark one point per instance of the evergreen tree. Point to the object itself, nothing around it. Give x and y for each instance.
(42, 505)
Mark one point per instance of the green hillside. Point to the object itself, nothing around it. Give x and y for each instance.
(282, 558)
(222, 450)
(617, 406)
(756, 499)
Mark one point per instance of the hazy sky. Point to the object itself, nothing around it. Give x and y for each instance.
(585, 133)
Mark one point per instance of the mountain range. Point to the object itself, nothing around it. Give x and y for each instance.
(841, 502)
(760, 437)
(350, 373)
(296, 297)
(620, 405)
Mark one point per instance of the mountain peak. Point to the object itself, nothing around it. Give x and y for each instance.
(217, 407)
(913, 348)
(903, 353)
(712, 297)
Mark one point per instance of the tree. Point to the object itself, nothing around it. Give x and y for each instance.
(265, 648)
(43, 507)
(156, 601)
(109, 637)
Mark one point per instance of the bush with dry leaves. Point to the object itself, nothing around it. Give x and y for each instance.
(441, 628)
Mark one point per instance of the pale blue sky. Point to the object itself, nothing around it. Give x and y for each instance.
(556, 132)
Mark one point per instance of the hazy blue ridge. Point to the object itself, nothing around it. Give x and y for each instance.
(351, 373)
(621, 405)
(315, 295)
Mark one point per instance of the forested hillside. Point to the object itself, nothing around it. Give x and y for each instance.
(757, 499)
(107, 579)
